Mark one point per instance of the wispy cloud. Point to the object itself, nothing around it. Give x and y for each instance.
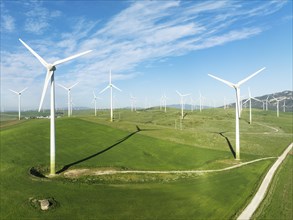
(38, 17)
(144, 32)
(7, 21)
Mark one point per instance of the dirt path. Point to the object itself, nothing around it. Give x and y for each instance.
(259, 196)
(78, 172)
(274, 129)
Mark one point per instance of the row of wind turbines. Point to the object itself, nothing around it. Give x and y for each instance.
(49, 79)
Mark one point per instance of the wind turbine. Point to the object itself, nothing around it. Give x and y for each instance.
(182, 101)
(51, 67)
(267, 101)
(164, 101)
(278, 101)
(224, 103)
(249, 99)
(132, 102)
(19, 98)
(95, 100)
(191, 104)
(237, 111)
(284, 106)
(68, 96)
(200, 101)
(111, 86)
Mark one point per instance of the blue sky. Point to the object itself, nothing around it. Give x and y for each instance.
(152, 47)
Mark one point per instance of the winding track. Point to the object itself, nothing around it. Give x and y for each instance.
(108, 172)
(259, 196)
(274, 129)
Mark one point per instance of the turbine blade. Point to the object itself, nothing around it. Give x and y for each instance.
(14, 91)
(47, 80)
(267, 98)
(45, 64)
(223, 81)
(94, 94)
(116, 88)
(249, 77)
(178, 93)
(186, 94)
(62, 86)
(256, 99)
(23, 90)
(104, 89)
(73, 85)
(245, 101)
(70, 58)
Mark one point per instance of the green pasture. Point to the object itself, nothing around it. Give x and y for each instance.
(142, 140)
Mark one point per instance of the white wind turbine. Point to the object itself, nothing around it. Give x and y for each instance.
(95, 101)
(278, 101)
(164, 101)
(200, 101)
(111, 86)
(267, 101)
(182, 102)
(19, 99)
(68, 89)
(51, 67)
(249, 99)
(284, 106)
(237, 90)
(132, 102)
(224, 103)
(191, 104)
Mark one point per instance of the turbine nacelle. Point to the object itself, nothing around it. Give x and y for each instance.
(51, 67)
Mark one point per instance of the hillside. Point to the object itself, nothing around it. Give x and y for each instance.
(285, 96)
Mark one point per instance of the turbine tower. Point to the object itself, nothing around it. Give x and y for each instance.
(284, 106)
(267, 101)
(95, 101)
(182, 102)
(164, 102)
(68, 96)
(200, 101)
(249, 99)
(19, 99)
(278, 101)
(237, 111)
(111, 86)
(51, 67)
(132, 102)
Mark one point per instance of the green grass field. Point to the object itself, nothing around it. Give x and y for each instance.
(143, 140)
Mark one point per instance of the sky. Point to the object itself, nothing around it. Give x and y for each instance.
(152, 48)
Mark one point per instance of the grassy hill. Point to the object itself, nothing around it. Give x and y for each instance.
(143, 140)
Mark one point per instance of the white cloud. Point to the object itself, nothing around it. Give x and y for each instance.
(228, 37)
(7, 23)
(145, 32)
(38, 17)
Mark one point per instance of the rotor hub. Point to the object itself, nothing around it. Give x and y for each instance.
(52, 68)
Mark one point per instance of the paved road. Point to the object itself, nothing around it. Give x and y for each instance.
(259, 196)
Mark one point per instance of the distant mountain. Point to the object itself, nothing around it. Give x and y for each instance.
(187, 106)
(285, 96)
